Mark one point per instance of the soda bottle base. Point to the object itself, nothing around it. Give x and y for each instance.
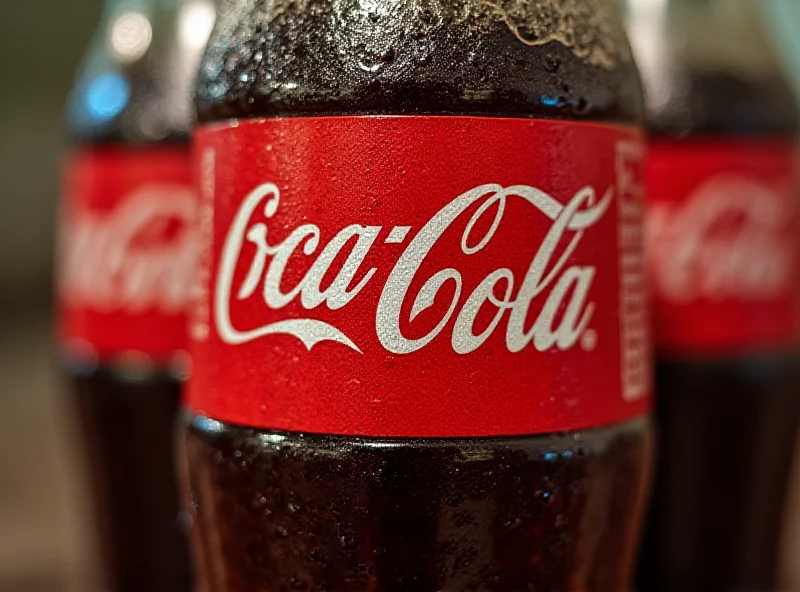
(128, 429)
(289, 511)
(726, 439)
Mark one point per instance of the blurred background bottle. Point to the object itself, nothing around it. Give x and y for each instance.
(125, 261)
(722, 227)
(784, 17)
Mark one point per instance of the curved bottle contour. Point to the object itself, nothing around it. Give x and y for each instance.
(710, 68)
(274, 511)
(134, 86)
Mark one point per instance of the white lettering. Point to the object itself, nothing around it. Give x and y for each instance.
(726, 241)
(131, 259)
(563, 318)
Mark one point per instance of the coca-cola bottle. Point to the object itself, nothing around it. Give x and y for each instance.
(420, 349)
(126, 255)
(722, 233)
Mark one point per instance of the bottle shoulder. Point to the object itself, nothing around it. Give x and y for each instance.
(722, 103)
(111, 108)
(415, 57)
(135, 83)
(711, 68)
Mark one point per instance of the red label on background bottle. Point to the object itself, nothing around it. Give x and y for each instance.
(723, 237)
(128, 247)
(420, 276)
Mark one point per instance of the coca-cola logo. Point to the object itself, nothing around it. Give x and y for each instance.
(728, 240)
(137, 257)
(560, 286)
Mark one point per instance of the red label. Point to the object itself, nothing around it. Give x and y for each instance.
(420, 276)
(127, 252)
(723, 239)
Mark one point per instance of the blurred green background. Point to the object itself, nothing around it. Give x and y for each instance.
(44, 525)
(44, 522)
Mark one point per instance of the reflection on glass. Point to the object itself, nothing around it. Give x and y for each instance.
(195, 22)
(131, 34)
(106, 96)
(646, 20)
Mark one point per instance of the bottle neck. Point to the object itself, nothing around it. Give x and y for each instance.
(113, 7)
(710, 67)
(135, 83)
(728, 34)
(704, 36)
(130, 28)
(161, 13)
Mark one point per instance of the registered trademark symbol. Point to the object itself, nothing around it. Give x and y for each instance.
(589, 340)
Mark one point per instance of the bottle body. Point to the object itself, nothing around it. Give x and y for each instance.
(141, 537)
(721, 222)
(722, 531)
(126, 219)
(362, 161)
(302, 511)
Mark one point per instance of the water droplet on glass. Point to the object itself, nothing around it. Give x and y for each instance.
(422, 58)
(581, 106)
(388, 56)
(551, 63)
(349, 542)
(546, 496)
(427, 16)
(259, 504)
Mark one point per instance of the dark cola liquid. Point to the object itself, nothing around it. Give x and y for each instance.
(287, 511)
(728, 430)
(281, 511)
(727, 423)
(727, 433)
(127, 424)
